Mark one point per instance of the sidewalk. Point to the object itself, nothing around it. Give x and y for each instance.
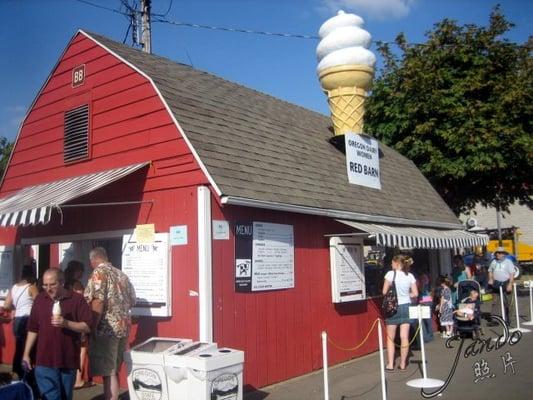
(503, 373)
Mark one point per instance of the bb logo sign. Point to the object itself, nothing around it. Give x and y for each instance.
(78, 76)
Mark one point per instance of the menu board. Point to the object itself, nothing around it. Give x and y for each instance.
(272, 256)
(6, 271)
(264, 256)
(147, 266)
(347, 269)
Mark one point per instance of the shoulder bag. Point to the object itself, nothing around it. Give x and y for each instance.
(390, 300)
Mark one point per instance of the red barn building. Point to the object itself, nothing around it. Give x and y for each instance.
(118, 138)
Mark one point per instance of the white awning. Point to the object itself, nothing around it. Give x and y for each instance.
(33, 205)
(422, 238)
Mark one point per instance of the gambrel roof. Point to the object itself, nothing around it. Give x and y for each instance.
(264, 152)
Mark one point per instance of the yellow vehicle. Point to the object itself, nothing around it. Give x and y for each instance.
(523, 252)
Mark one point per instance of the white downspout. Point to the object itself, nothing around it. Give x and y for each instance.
(205, 286)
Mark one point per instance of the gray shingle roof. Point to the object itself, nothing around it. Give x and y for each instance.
(259, 147)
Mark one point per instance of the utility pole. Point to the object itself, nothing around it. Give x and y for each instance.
(146, 30)
(499, 225)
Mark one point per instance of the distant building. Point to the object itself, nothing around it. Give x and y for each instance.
(519, 216)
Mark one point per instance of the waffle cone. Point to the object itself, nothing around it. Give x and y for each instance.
(346, 88)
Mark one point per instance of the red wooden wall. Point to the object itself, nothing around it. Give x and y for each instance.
(128, 124)
(280, 330)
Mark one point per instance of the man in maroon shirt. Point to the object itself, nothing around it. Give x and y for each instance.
(58, 347)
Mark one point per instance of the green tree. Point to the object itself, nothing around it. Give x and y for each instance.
(5, 151)
(460, 107)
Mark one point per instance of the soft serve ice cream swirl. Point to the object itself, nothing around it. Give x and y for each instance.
(344, 42)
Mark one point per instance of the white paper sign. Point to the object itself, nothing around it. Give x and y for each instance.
(220, 230)
(362, 160)
(347, 269)
(424, 310)
(272, 256)
(147, 266)
(6, 270)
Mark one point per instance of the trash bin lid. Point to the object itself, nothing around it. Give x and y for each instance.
(158, 345)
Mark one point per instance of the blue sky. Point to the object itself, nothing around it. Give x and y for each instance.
(34, 33)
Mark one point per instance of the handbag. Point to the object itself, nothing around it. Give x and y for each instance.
(390, 300)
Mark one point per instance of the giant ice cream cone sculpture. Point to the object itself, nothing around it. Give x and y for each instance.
(345, 70)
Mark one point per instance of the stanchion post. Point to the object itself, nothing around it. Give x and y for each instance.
(501, 304)
(424, 382)
(325, 363)
(530, 322)
(381, 362)
(421, 338)
(518, 328)
(516, 306)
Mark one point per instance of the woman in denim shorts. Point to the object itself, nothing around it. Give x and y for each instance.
(406, 290)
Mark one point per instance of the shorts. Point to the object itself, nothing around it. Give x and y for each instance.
(401, 316)
(106, 354)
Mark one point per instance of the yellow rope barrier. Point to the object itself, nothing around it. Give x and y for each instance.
(360, 344)
(399, 346)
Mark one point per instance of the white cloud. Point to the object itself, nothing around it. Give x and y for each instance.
(378, 9)
(16, 109)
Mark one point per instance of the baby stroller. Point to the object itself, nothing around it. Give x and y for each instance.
(468, 314)
(18, 390)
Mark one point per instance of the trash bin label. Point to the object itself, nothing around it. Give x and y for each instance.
(147, 384)
(225, 387)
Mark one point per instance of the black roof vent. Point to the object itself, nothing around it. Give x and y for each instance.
(76, 144)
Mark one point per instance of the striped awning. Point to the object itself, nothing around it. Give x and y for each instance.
(421, 238)
(33, 205)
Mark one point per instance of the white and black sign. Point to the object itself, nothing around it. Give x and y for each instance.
(146, 264)
(225, 387)
(362, 160)
(347, 269)
(264, 256)
(272, 256)
(146, 384)
(243, 256)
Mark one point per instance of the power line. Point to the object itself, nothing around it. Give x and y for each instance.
(239, 30)
(102, 7)
(166, 12)
(191, 25)
(160, 18)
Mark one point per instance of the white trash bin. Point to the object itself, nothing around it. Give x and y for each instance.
(211, 374)
(176, 366)
(145, 363)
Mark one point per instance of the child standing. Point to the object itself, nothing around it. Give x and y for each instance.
(446, 307)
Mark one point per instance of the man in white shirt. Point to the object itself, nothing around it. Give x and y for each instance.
(501, 274)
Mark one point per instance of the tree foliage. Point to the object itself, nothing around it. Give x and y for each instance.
(5, 151)
(460, 107)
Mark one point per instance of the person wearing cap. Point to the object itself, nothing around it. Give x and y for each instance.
(501, 274)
